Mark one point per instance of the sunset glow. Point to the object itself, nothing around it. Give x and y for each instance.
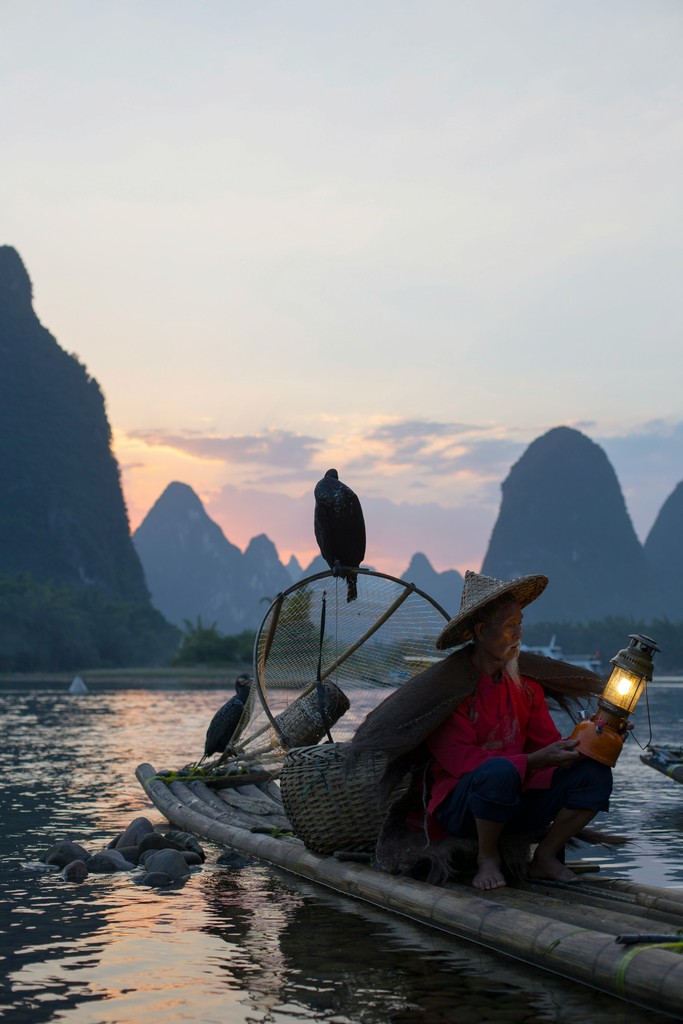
(402, 241)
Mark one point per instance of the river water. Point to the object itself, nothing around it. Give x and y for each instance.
(250, 945)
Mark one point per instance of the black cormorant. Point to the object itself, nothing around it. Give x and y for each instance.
(339, 527)
(226, 719)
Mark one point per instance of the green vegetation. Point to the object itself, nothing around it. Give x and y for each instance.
(607, 636)
(204, 645)
(47, 627)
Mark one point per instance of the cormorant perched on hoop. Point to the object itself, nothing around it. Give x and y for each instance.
(339, 528)
(225, 721)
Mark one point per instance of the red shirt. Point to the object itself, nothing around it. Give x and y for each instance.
(500, 719)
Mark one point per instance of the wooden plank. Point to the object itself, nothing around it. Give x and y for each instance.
(647, 976)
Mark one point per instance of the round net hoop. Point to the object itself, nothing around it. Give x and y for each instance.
(322, 663)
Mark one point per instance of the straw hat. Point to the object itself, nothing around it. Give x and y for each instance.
(479, 591)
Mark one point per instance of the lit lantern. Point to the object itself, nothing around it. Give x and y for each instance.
(602, 736)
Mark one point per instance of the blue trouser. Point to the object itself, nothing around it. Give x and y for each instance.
(493, 791)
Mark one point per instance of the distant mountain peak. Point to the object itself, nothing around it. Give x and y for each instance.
(443, 587)
(193, 571)
(419, 562)
(15, 284)
(563, 514)
(178, 499)
(664, 550)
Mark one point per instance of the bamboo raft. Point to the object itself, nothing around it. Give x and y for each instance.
(667, 760)
(609, 934)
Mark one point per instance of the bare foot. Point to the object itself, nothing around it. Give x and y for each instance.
(489, 875)
(549, 866)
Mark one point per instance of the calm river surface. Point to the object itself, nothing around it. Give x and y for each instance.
(249, 945)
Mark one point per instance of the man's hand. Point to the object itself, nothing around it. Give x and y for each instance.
(561, 753)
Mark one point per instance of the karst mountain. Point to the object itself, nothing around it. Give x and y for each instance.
(563, 514)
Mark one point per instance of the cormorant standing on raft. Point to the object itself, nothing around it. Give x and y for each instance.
(339, 528)
(226, 719)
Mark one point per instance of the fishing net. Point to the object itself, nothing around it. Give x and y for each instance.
(322, 663)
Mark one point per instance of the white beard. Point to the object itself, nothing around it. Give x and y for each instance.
(512, 669)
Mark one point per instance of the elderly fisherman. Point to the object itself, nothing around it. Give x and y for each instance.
(495, 756)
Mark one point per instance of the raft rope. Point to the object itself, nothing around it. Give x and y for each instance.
(620, 975)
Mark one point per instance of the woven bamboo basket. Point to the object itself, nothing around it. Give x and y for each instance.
(331, 803)
(302, 723)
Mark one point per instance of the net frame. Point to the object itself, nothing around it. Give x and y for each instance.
(375, 630)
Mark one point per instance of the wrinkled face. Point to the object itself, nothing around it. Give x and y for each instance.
(499, 637)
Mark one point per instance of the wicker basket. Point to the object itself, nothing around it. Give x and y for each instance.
(301, 723)
(331, 803)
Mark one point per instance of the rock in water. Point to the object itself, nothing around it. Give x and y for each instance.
(157, 879)
(64, 853)
(135, 833)
(75, 872)
(108, 861)
(168, 862)
(233, 859)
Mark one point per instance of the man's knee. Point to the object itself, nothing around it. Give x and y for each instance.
(497, 779)
(590, 773)
(590, 778)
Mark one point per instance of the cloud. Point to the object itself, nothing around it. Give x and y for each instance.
(424, 485)
(450, 464)
(279, 448)
(438, 457)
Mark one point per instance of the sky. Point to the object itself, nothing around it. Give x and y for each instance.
(399, 239)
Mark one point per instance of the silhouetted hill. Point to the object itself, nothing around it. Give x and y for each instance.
(563, 514)
(194, 572)
(664, 551)
(72, 590)
(265, 574)
(313, 568)
(294, 569)
(62, 515)
(444, 587)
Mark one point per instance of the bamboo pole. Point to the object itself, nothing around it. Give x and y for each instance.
(638, 888)
(614, 901)
(647, 976)
(393, 607)
(614, 919)
(271, 633)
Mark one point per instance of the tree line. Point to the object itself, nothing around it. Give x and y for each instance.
(50, 627)
(606, 637)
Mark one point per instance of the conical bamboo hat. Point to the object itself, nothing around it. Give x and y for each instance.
(477, 592)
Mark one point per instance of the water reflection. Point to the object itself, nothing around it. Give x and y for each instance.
(326, 957)
(246, 945)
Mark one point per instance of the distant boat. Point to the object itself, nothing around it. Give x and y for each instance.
(590, 661)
